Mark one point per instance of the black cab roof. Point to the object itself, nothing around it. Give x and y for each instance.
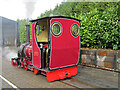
(36, 20)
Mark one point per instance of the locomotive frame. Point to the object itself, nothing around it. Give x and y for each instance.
(60, 51)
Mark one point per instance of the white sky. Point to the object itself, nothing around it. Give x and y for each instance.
(16, 9)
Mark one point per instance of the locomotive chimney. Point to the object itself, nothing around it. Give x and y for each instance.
(28, 31)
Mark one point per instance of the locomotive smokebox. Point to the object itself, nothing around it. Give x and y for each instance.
(28, 32)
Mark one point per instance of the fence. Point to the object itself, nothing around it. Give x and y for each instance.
(104, 59)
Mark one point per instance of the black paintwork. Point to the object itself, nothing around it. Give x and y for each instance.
(36, 20)
(28, 32)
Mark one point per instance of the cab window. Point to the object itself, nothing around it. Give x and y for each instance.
(75, 30)
(56, 29)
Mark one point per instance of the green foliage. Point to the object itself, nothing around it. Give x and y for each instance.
(100, 29)
(99, 22)
(22, 30)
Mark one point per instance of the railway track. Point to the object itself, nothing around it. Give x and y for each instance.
(80, 82)
(69, 84)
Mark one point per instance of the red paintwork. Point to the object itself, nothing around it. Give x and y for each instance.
(35, 71)
(13, 61)
(61, 74)
(30, 42)
(28, 50)
(64, 48)
(46, 45)
(27, 63)
(36, 55)
(31, 68)
(43, 73)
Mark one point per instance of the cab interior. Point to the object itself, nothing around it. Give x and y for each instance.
(42, 33)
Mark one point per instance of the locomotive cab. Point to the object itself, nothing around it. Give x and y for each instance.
(56, 46)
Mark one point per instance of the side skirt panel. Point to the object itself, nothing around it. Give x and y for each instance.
(61, 74)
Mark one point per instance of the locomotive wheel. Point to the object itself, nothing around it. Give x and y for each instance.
(24, 64)
(35, 71)
(32, 69)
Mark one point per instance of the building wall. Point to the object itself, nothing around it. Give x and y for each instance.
(0, 31)
(10, 35)
(104, 58)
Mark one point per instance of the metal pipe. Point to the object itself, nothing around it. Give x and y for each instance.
(80, 59)
(95, 58)
(28, 32)
(115, 61)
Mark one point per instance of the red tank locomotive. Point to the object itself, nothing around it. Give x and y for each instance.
(54, 48)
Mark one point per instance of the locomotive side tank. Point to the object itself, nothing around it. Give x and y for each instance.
(54, 48)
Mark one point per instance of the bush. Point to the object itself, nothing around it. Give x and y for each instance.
(100, 29)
